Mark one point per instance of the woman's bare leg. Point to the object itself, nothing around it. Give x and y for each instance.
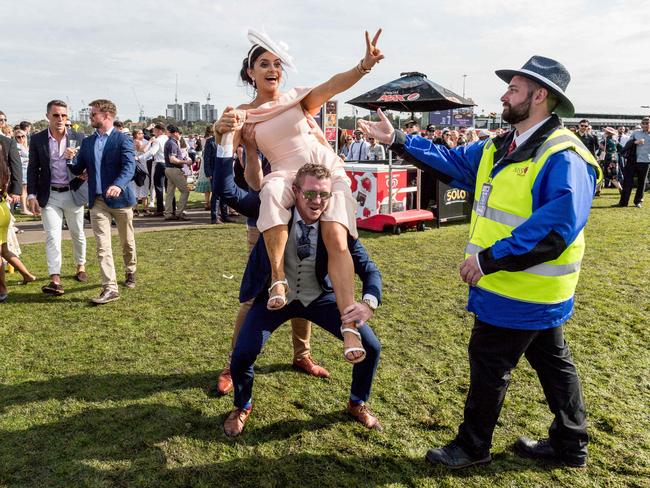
(23, 202)
(15, 261)
(341, 271)
(275, 240)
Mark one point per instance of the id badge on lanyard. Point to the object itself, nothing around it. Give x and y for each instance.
(481, 206)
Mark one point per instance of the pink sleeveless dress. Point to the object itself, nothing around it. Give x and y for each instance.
(289, 138)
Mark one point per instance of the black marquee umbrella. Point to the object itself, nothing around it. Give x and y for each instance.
(413, 92)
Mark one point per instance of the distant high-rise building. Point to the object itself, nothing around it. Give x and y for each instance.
(192, 111)
(175, 111)
(208, 112)
(84, 115)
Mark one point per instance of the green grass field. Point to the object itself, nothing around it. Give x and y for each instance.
(119, 395)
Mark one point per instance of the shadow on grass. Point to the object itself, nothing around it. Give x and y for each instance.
(155, 444)
(99, 388)
(31, 297)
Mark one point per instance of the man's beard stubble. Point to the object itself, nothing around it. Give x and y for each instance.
(518, 113)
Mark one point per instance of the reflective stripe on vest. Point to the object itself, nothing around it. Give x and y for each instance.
(508, 206)
(502, 217)
(539, 269)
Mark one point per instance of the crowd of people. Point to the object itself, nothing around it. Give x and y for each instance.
(269, 160)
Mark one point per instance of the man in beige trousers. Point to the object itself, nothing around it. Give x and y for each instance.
(109, 159)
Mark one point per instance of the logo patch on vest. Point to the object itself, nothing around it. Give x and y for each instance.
(521, 171)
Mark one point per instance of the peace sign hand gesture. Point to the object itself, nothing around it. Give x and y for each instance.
(373, 54)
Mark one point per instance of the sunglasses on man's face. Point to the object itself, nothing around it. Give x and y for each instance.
(20, 137)
(311, 195)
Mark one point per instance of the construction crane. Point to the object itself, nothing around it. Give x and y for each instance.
(141, 118)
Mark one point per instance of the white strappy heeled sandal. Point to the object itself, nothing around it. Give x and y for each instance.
(348, 350)
(278, 297)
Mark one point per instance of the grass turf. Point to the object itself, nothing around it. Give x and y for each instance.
(118, 395)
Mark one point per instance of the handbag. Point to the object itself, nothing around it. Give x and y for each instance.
(140, 176)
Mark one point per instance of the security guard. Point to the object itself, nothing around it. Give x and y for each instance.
(533, 188)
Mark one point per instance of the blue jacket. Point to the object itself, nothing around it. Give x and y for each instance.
(209, 153)
(117, 168)
(257, 276)
(562, 196)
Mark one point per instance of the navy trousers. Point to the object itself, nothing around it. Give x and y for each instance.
(260, 323)
(218, 208)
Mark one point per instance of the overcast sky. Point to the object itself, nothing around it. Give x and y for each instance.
(82, 50)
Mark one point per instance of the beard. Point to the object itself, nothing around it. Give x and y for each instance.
(518, 113)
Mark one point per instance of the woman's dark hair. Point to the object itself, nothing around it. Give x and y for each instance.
(254, 53)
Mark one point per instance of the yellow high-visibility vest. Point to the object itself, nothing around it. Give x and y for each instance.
(509, 204)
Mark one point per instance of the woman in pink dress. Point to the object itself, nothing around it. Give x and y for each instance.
(283, 128)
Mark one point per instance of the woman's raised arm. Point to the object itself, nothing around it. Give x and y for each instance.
(342, 81)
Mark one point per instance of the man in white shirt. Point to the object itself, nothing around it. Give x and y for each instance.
(358, 150)
(157, 152)
(376, 152)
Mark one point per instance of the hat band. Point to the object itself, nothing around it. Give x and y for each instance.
(543, 79)
(250, 53)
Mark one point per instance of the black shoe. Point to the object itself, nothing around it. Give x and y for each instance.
(129, 281)
(454, 457)
(542, 449)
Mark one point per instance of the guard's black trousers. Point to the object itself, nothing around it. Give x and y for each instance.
(493, 353)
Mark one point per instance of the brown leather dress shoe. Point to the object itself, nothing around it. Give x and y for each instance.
(362, 414)
(234, 423)
(81, 276)
(53, 288)
(311, 367)
(224, 383)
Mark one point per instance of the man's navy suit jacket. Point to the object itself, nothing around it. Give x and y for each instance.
(39, 174)
(117, 168)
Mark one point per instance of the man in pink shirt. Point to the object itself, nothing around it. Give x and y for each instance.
(54, 192)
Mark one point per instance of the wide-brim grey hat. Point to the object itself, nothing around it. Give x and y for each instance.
(550, 74)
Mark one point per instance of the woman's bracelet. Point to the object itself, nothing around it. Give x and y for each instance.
(361, 69)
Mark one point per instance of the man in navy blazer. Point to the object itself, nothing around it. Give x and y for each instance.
(53, 191)
(310, 296)
(109, 158)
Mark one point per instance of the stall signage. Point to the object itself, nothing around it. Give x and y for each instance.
(455, 195)
(398, 97)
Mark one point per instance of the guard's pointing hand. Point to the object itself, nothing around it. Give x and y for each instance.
(382, 131)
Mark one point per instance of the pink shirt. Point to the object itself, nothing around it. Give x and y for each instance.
(58, 165)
